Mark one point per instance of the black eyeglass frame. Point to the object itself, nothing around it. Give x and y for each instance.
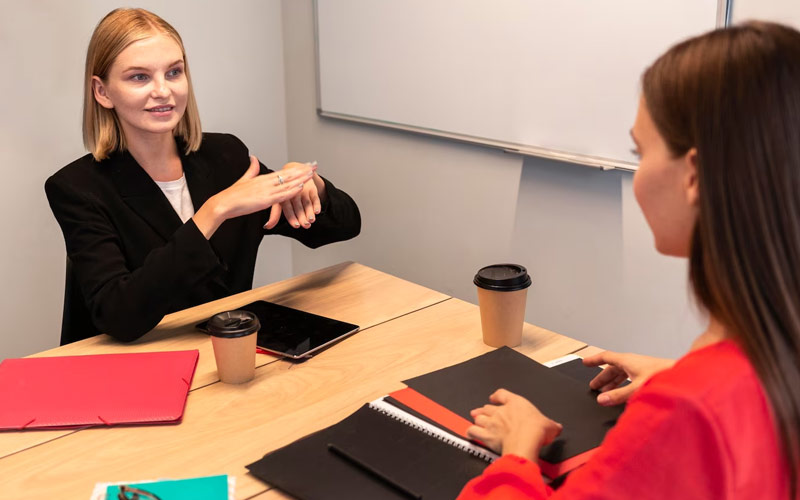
(136, 493)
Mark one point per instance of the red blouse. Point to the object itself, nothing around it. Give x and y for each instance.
(702, 429)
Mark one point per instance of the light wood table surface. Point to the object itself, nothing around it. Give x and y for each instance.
(407, 330)
(348, 291)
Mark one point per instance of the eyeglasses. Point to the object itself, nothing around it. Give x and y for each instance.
(131, 493)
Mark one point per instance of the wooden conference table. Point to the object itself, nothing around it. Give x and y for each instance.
(406, 330)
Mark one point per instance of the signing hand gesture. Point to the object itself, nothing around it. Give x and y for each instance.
(251, 193)
(512, 425)
(300, 210)
(621, 367)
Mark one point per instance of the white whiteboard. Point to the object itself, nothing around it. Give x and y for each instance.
(553, 78)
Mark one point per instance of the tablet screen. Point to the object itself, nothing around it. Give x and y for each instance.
(291, 332)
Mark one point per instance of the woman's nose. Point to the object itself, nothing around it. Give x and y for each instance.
(160, 89)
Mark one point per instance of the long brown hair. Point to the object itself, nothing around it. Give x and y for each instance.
(734, 94)
(102, 133)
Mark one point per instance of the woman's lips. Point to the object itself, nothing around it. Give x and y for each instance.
(161, 110)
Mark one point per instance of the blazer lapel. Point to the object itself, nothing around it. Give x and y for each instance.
(198, 178)
(142, 194)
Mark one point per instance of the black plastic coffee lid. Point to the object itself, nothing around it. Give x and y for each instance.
(503, 278)
(232, 324)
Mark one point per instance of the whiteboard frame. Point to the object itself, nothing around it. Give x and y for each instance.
(724, 15)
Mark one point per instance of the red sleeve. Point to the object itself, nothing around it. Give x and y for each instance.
(664, 446)
(509, 477)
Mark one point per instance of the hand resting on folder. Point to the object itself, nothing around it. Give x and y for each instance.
(511, 424)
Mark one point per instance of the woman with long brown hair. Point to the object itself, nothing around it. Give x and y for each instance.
(718, 134)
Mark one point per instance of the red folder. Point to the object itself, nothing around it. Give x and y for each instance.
(106, 389)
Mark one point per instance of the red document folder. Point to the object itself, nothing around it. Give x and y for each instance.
(105, 389)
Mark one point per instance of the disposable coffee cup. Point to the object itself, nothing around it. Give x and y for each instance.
(502, 291)
(233, 335)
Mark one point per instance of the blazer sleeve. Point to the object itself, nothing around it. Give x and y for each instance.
(125, 304)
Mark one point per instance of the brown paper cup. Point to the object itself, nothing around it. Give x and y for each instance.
(502, 316)
(236, 358)
(234, 335)
(502, 291)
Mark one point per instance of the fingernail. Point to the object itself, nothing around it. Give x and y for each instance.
(311, 220)
(603, 399)
(316, 212)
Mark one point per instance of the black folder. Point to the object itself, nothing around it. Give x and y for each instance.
(421, 463)
(558, 395)
(425, 464)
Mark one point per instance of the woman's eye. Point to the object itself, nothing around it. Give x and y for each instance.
(174, 72)
(140, 77)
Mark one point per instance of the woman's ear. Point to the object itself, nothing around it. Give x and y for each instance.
(691, 182)
(100, 94)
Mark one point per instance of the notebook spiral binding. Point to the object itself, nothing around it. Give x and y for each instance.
(431, 430)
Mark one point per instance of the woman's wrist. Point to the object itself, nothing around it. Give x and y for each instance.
(525, 445)
(529, 452)
(210, 216)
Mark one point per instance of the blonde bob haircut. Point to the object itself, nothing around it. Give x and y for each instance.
(102, 133)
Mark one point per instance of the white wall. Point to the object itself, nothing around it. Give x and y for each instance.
(781, 11)
(236, 57)
(435, 211)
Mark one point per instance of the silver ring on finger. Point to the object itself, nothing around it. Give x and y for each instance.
(280, 179)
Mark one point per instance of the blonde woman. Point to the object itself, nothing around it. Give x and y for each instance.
(160, 216)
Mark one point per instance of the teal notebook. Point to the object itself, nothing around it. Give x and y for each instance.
(200, 488)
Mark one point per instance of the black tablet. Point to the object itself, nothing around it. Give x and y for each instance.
(293, 333)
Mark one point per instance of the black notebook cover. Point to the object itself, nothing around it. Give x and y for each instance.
(423, 464)
(575, 369)
(467, 385)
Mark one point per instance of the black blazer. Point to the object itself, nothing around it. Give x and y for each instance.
(134, 259)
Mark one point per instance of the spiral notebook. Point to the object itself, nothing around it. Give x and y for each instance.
(396, 447)
(377, 452)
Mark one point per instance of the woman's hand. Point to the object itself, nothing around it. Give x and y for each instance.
(300, 210)
(251, 193)
(621, 367)
(512, 425)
